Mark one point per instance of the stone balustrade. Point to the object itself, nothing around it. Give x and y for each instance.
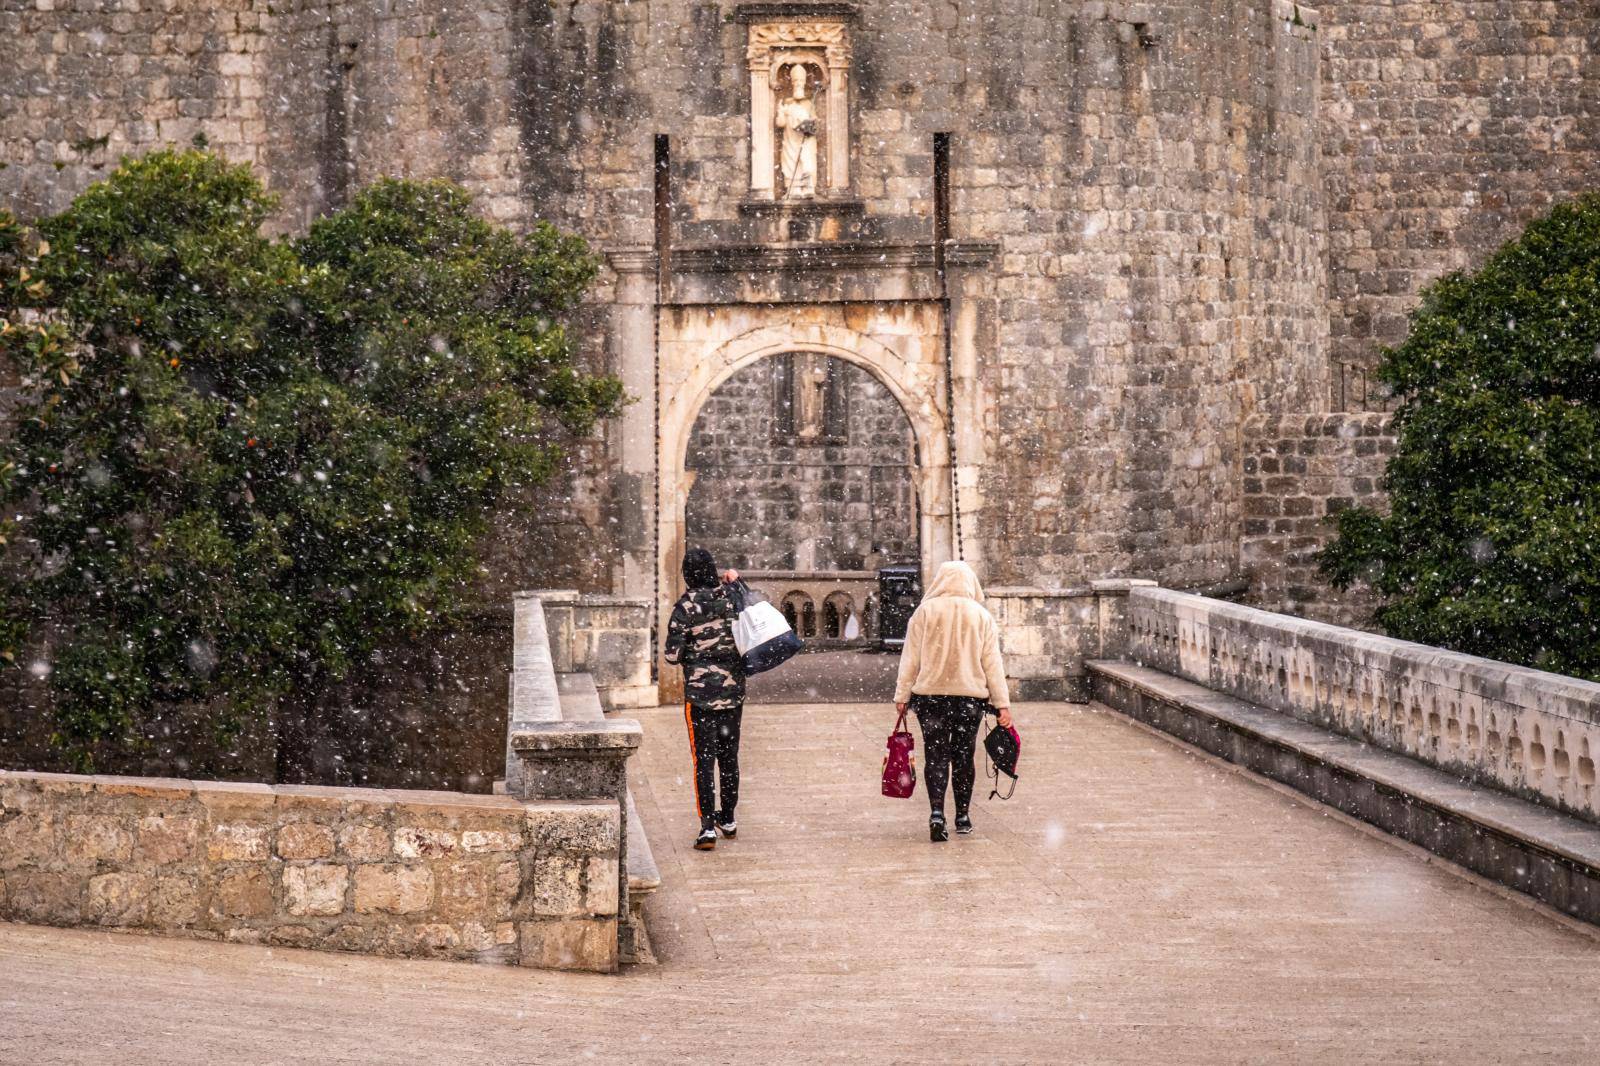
(1532, 733)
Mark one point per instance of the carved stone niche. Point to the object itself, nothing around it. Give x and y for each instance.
(784, 38)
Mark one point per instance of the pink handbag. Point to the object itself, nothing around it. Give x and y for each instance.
(900, 762)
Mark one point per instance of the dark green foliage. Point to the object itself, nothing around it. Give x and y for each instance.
(1493, 542)
(242, 461)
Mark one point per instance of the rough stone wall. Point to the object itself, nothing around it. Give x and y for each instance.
(488, 879)
(1153, 184)
(1299, 472)
(1447, 125)
(763, 500)
(1150, 173)
(606, 637)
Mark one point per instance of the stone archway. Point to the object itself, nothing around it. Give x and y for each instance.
(702, 347)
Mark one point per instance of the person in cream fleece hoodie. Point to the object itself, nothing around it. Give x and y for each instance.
(951, 674)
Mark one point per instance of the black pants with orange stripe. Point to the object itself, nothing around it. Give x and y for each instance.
(714, 736)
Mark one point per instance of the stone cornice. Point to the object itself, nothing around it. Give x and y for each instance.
(632, 260)
(971, 253)
(818, 208)
(787, 12)
(799, 258)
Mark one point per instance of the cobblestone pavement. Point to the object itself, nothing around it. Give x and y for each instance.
(1134, 902)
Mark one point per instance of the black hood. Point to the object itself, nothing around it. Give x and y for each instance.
(699, 569)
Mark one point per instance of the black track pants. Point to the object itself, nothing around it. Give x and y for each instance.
(714, 737)
(949, 739)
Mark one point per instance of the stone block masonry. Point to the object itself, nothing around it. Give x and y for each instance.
(1299, 472)
(432, 875)
(1446, 126)
(606, 637)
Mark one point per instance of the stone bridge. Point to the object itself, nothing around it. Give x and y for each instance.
(1140, 899)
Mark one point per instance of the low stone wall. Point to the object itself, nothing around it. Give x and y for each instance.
(606, 637)
(1532, 733)
(1300, 471)
(439, 875)
(1047, 635)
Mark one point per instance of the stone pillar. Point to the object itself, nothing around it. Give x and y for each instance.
(839, 118)
(633, 339)
(580, 761)
(762, 163)
(1111, 604)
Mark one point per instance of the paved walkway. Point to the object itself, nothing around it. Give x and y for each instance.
(1134, 903)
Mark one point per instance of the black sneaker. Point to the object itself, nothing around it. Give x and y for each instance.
(936, 831)
(729, 829)
(963, 824)
(707, 840)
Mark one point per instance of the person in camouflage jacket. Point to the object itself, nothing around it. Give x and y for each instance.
(700, 640)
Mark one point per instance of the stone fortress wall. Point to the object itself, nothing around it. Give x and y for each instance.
(1446, 127)
(1199, 209)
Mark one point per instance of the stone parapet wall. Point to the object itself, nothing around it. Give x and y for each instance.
(1046, 635)
(606, 637)
(1299, 472)
(1532, 733)
(435, 875)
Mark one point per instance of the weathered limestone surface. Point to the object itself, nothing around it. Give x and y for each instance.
(1532, 733)
(764, 497)
(1300, 471)
(1048, 634)
(1446, 126)
(1149, 174)
(432, 874)
(1186, 213)
(606, 637)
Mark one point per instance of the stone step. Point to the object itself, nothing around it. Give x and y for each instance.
(1550, 856)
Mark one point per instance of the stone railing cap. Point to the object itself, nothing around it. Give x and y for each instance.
(1121, 584)
(548, 595)
(1037, 592)
(619, 734)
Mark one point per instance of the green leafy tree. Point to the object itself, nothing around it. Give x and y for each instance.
(1492, 543)
(243, 462)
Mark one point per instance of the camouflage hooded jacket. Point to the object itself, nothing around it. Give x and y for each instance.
(700, 639)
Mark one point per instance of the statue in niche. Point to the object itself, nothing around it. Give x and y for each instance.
(797, 118)
(811, 395)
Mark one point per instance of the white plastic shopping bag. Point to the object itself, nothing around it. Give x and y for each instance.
(763, 635)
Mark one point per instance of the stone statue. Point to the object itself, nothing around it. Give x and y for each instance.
(811, 394)
(797, 118)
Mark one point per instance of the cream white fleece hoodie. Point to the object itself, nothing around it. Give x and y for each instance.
(952, 644)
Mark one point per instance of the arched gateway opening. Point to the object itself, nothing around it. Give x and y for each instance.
(807, 462)
(802, 475)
